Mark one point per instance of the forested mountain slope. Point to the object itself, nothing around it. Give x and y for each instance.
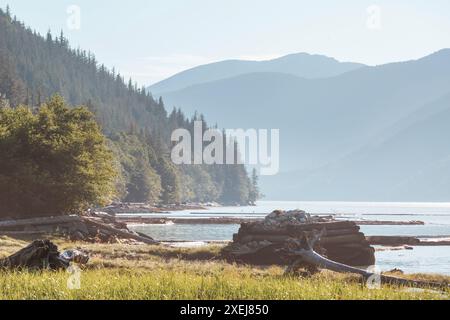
(33, 68)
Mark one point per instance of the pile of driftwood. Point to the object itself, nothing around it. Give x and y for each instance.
(97, 227)
(261, 242)
(310, 243)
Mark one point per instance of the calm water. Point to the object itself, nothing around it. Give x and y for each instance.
(422, 259)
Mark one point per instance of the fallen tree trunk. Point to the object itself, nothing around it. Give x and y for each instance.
(389, 223)
(104, 229)
(40, 254)
(313, 258)
(258, 228)
(351, 238)
(22, 233)
(341, 239)
(38, 221)
(304, 255)
(393, 240)
(334, 225)
(118, 232)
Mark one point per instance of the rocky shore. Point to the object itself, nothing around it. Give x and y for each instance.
(237, 220)
(119, 208)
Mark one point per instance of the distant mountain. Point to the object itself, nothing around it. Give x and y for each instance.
(300, 64)
(409, 161)
(374, 133)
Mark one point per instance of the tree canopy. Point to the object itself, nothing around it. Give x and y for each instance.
(137, 127)
(56, 160)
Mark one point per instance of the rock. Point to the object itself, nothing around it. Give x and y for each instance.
(396, 270)
(280, 218)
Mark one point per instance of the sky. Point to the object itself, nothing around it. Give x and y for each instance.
(150, 40)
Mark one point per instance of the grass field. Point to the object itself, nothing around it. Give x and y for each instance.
(150, 272)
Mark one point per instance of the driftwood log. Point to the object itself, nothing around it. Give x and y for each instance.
(38, 221)
(301, 253)
(99, 228)
(120, 233)
(40, 255)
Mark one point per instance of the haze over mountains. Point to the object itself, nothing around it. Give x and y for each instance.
(348, 131)
(300, 64)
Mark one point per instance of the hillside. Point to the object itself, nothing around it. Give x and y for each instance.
(33, 68)
(300, 64)
(409, 162)
(323, 121)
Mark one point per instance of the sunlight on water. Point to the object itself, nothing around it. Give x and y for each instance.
(422, 259)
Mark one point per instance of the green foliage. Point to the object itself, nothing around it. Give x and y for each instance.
(203, 187)
(170, 180)
(142, 183)
(143, 272)
(236, 185)
(10, 84)
(56, 161)
(33, 68)
(254, 194)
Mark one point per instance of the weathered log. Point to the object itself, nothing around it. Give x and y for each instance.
(77, 227)
(38, 221)
(389, 223)
(304, 255)
(335, 225)
(285, 232)
(21, 233)
(352, 238)
(337, 246)
(313, 258)
(393, 240)
(144, 235)
(257, 228)
(353, 256)
(120, 233)
(342, 232)
(41, 254)
(433, 243)
(270, 238)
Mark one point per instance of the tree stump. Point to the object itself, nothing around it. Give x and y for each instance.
(42, 255)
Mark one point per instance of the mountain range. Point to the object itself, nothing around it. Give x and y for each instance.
(300, 64)
(348, 131)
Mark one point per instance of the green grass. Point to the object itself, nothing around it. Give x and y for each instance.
(148, 272)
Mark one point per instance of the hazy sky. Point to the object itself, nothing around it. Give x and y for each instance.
(153, 39)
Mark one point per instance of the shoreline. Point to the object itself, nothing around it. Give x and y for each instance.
(236, 220)
(142, 208)
(388, 243)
